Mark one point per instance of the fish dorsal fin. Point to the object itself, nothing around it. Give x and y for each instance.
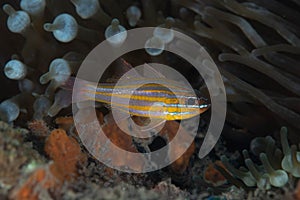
(126, 71)
(150, 72)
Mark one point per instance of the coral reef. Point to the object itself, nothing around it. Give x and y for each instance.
(66, 155)
(16, 156)
(37, 185)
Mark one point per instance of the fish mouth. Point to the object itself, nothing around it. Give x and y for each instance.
(204, 104)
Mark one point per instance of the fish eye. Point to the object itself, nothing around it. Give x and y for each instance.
(191, 101)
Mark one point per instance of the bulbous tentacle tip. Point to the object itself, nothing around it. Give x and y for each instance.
(64, 28)
(62, 100)
(115, 23)
(18, 21)
(50, 27)
(15, 70)
(278, 178)
(41, 106)
(9, 111)
(164, 31)
(283, 130)
(169, 22)
(45, 78)
(8, 9)
(86, 8)
(133, 14)
(26, 85)
(115, 34)
(53, 110)
(154, 46)
(33, 7)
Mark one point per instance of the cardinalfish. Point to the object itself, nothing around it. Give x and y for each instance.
(155, 97)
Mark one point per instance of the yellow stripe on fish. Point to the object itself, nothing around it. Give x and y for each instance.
(149, 100)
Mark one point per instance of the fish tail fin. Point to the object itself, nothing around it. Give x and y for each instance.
(81, 90)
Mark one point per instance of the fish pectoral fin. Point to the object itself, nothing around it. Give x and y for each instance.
(117, 115)
(154, 123)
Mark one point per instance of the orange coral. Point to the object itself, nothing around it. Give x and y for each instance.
(89, 130)
(119, 138)
(169, 132)
(214, 176)
(123, 141)
(65, 122)
(41, 179)
(65, 152)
